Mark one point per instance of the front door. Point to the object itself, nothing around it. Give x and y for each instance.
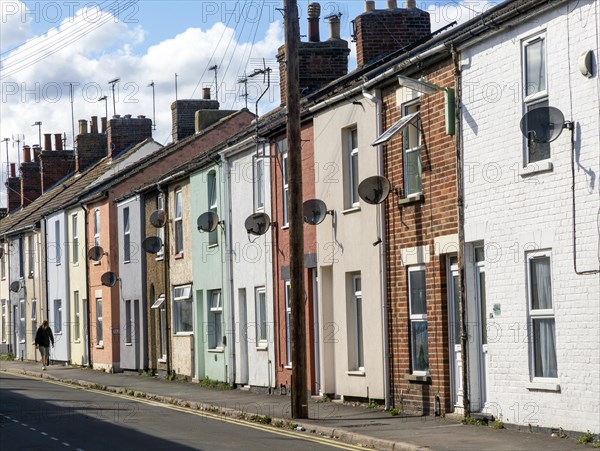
(454, 333)
(482, 335)
(317, 341)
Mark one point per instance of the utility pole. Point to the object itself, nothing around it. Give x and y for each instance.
(298, 302)
(153, 105)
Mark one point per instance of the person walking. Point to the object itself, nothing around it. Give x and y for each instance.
(43, 338)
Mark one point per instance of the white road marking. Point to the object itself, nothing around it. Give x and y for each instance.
(15, 421)
(54, 438)
(33, 429)
(24, 424)
(43, 433)
(66, 444)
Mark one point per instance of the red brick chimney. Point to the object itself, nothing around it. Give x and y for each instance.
(31, 182)
(57, 164)
(379, 32)
(320, 62)
(90, 147)
(14, 189)
(124, 132)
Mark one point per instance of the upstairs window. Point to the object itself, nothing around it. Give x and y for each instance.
(97, 227)
(75, 248)
(352, 168)
(213, 237)
(411, 149)
(178, 222)
(126, 236)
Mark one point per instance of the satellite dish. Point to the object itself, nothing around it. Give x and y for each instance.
(543, 124)
(207, 222)
(16, 286)
(158, 218)
(95, 253)
(152, 244)
(257, 224)
(314, 211)
(374, 190)
(109, 279)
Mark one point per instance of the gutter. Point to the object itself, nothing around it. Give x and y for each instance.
(337, 98)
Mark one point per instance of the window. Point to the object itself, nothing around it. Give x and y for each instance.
(355, 324)
(288, 322)
(178, 222)
(75, 249)
(535, 91)
(480, 281)
(128, 322)
(215, 317)
(4, 321)
(126, 236)
(182, 309)
(76, 332)
(97, 227)
(33, 317)
(22, 316)
(31, 255)
(160, 232)
(3, 264)
(99, 335)
(411, 148)
(418, 319)
(261, 317)
(57, 243)
(541, 314)
(21, 258)
(58, 316)
(352, 169)
(259, 185)
(212, 205)
(284, 170)
(162, 323)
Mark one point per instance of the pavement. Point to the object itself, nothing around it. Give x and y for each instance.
(352, 424)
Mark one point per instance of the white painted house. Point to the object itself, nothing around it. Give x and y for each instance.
(530, 285)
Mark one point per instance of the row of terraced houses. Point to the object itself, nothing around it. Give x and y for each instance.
(175, 259)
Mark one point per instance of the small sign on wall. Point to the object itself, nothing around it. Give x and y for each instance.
(497, 310)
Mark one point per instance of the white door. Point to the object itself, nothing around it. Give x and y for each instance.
(454, 333)
(482, 335)
(317, 341)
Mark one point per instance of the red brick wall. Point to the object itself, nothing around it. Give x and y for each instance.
(281, 256)
(55, 166)
(418, 224)
(31, 182)
(127, 131)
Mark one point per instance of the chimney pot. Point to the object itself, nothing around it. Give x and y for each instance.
(127, 116)
(103, 124)
(314, 11)
(58, 143)
(82, 127)
(392, 4)
(36, 152)
(26, 154)
(369, 5)
(334, 27)
(13, 170)
(206, 93)
(116, 116)
(94, 125)
(47, 141)
(411, 4)
(141, 116)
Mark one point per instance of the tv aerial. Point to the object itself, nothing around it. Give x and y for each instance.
(16, 286)
(375, 189)
(208, 222)
(158, 218)
(95, 253)
(152, 244)
(314, 211)
(109, 279)
(544, 124)
(257, 224)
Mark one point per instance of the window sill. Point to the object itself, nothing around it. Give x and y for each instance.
(536, 168)
(359, 373)
(128, 344)
(159, 259)
(285, 227)
(77, 341)
(161, 360)
(287, 367)
(75, 264)
(97, 263)
(418, 378)
(99, 346)
(543, 386)
(212, 246)
(262, 348)
(126, 262)
(351, 210)
(216, 350)
(411, 199)
(183, 334)
(22, 342)
(179, 256)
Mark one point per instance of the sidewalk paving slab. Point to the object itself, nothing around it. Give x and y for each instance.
(372, 428)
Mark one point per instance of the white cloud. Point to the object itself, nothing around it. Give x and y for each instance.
(14, 24)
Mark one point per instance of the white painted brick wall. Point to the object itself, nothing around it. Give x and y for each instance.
(515, 211)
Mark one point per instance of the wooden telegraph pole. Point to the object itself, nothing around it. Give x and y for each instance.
(298, 320)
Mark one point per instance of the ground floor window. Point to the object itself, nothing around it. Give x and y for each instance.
(418, 320)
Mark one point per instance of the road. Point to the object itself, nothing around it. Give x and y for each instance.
(36, 414)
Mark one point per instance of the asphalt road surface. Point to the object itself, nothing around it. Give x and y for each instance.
(40, 415)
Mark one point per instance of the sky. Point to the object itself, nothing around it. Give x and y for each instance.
(48, 48)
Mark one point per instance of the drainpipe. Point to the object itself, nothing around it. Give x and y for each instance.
(229, 269)
(87, 288)
(462, 300)
(382, 251)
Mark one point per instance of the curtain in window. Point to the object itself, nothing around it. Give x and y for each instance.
(545, 348)
(541, 284)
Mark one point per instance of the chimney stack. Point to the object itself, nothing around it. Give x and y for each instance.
(13, 170)
(103, 124)
(191, 116)
(91, 147)
(58, 143)
(31, 181)
(13, 185)
(82, 127)
(36, 149)
(125, 132)
(47, 141)
(206, 93)
(380, 32)
(334, 27)
(26, 154)
(320, 63)
(94, 124)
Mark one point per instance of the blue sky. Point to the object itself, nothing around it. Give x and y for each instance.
(47, 46)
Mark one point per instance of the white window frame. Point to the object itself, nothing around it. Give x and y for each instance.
(31, 255)
(160, 231)
(539, 314)
(409, 148)
(357, 317)
(262, 325)
(352, 155)
(259, 184)
(58, 316)
(4, 331)
(3, 264)
(213, 201)
(530, 101)
(288, 325)
(285, 182)
(182, 294)
(178, 221)
(99, 323)
(96, 227)
(128, 329)
(22, 320)
(215, 319)
(33, 317)
(57, 243)
(76, 325)
(417, 318)
(75, 231)
(126, 235)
